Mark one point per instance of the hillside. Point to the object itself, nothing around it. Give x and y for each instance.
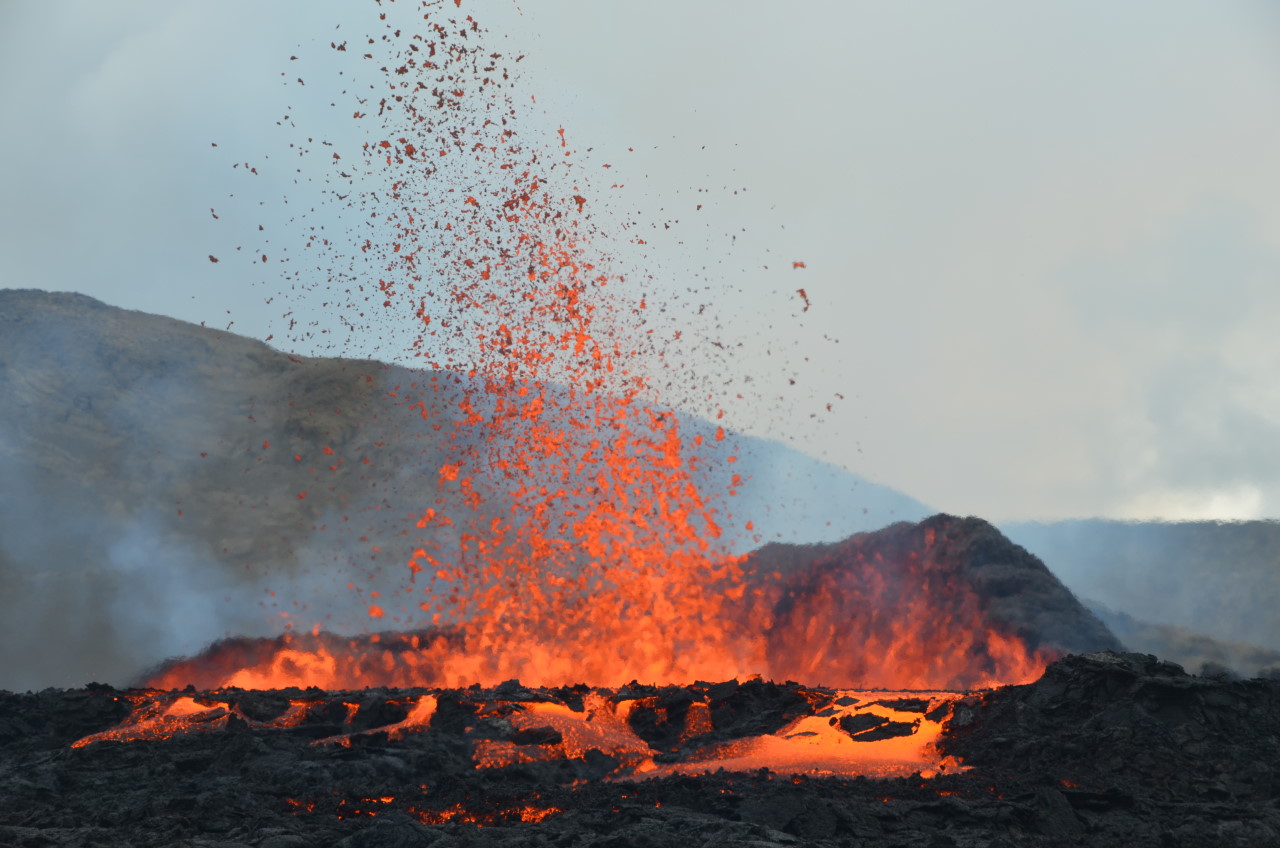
(162, 480)
(1196, 652)
(1218, 578)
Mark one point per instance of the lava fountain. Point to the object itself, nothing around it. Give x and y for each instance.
(570, 539)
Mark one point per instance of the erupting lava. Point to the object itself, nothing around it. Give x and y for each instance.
(570, 541)
(896, 606)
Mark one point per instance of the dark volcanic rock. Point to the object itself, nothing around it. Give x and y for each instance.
(1017, 590)
(906, 705)
(732, 710)
(1133, 725)
(1103, 750)
(56, 718)
(537, 736)
(872, 728)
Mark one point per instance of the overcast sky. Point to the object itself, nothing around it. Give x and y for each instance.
(1045, 236)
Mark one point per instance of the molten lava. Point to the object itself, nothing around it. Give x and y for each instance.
(848, 617)
(635, 733)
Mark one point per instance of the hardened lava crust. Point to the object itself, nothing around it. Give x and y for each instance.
(1103, 749)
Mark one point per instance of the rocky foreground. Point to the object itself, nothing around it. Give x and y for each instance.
(1104, 749)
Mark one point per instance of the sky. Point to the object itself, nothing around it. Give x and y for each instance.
(1041, 242)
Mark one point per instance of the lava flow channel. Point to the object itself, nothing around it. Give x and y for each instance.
(677, 730)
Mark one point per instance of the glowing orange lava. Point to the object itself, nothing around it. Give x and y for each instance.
(855, 614)
(570, 541)
(159, 715)
(819, 732)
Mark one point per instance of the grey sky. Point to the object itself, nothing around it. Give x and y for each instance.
(1047, 236)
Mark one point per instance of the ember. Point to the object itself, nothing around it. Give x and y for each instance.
(945, 604)
(460, 813)
(571, 540)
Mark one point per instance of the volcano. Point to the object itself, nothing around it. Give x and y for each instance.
(322, 739)
(515, 595)
(946, 603)
(904, 729)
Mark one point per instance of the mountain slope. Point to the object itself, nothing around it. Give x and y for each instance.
(1218, 578)
(163, 479)
(1196, 652)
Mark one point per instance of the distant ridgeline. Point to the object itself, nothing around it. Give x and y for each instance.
(1219, 578)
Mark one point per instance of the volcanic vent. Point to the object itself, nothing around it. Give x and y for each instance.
(945, 604)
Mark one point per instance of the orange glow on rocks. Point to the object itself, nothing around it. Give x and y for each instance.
(482, 817)
(892, 607)
(163, 718)
(160, 716)
(859, 614)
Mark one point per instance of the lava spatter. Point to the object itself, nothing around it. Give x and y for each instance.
(571, 539)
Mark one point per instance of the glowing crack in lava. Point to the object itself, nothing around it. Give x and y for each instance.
(570, 541)
(633, 734)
